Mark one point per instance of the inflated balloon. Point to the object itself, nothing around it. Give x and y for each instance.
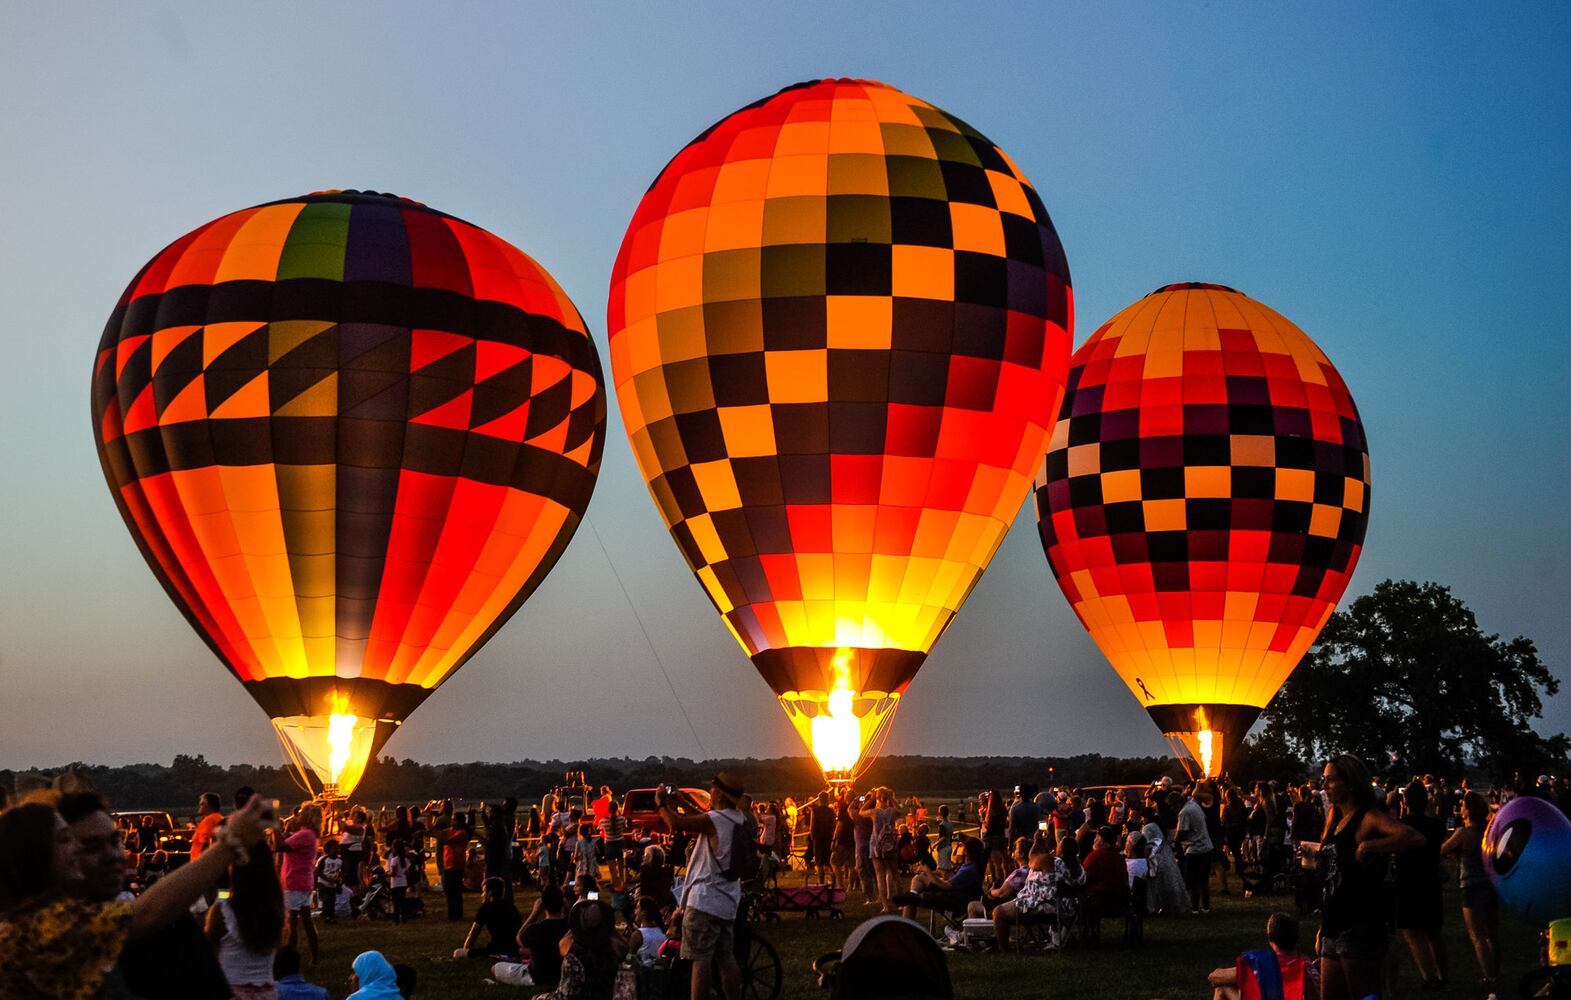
(839, 325)
(350, 435)
(1526, 849)
(1203, 504)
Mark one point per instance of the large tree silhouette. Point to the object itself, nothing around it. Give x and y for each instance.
(1405, 675)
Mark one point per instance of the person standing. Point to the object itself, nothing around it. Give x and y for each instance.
(1480, 902)
(1353, 850)
(945, 848)
(245, 928)
(209, 817)
(613, 831)
(1024, 816)
(329, 879)
(1194, 839)
(1418, 902)
(353, 833)
(710, 894)
(298, 874)
(862, 840)
(455, 842)
(398, 874)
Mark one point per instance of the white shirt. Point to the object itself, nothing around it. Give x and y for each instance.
(654, 937)
(1192, 828)
(241, 965)
(397, 873)
(706, 887)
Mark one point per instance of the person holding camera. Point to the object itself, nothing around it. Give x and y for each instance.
(712, 891)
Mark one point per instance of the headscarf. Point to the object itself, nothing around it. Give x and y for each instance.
(378, 981)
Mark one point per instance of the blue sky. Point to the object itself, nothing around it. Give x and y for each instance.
(1390, 177)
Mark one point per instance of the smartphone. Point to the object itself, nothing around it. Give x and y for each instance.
(1041, 824)
(592, 894)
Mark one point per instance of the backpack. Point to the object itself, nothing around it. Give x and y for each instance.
(742, 860)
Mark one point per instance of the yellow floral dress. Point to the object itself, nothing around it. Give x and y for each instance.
(60, 949)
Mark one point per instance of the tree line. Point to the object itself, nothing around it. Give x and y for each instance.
(177, 786)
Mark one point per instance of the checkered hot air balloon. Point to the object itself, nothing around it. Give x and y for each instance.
(350, 435)
(839, 327)
(1203, 504)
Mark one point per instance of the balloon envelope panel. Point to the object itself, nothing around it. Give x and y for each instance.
(1204, 500)
(350, 434)
(1526, 852)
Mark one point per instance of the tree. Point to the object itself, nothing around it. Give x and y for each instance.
(1405, 675)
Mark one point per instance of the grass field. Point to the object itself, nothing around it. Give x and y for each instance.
(1172, 963)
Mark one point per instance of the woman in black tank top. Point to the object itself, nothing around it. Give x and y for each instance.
(1357, 840)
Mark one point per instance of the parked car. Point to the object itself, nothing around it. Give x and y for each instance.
(643, 818)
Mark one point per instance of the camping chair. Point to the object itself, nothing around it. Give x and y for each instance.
(885, 958)
(1262, 976)
(1093, 914)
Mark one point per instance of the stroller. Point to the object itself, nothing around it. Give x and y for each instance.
(886, 958)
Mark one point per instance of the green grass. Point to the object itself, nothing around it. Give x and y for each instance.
(1172, 963)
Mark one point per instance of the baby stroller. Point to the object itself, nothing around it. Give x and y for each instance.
(886, 958)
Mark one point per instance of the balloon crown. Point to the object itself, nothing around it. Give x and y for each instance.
(342, 194)
(1181, 285)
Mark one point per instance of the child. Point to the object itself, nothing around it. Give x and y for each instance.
(545, 855)
(398, 878)
(646, 939)
(329, 879)
(1280, 961)
(586, 854)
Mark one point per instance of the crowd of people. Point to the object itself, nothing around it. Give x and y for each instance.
(91, 906)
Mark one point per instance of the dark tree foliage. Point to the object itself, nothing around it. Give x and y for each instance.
(1404, 677)
(177, 787)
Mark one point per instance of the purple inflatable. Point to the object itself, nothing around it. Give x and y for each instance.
(1527, 852)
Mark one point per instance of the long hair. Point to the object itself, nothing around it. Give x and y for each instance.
(27, 853)
(1360, 787)
(256, 898)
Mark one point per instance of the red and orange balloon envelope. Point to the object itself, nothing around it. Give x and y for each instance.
(1203, 504)
(839, 326)
(350, 435)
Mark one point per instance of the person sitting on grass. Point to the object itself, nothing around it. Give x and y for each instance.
(373, 978)
(539, 954)
(932, 891)
(1281, 971)
(589, 957)
(499, 918)
(291, 985)
(646, 939)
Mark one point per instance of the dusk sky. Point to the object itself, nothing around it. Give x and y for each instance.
(1392, 178)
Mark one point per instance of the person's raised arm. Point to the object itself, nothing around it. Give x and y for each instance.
(173, 894)
(695, 823)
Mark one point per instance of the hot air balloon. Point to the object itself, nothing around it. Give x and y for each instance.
(350, 435)
(839, 326)
(1203, 505)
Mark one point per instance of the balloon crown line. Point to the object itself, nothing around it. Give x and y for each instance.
(1202, 285)
(342, 194)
